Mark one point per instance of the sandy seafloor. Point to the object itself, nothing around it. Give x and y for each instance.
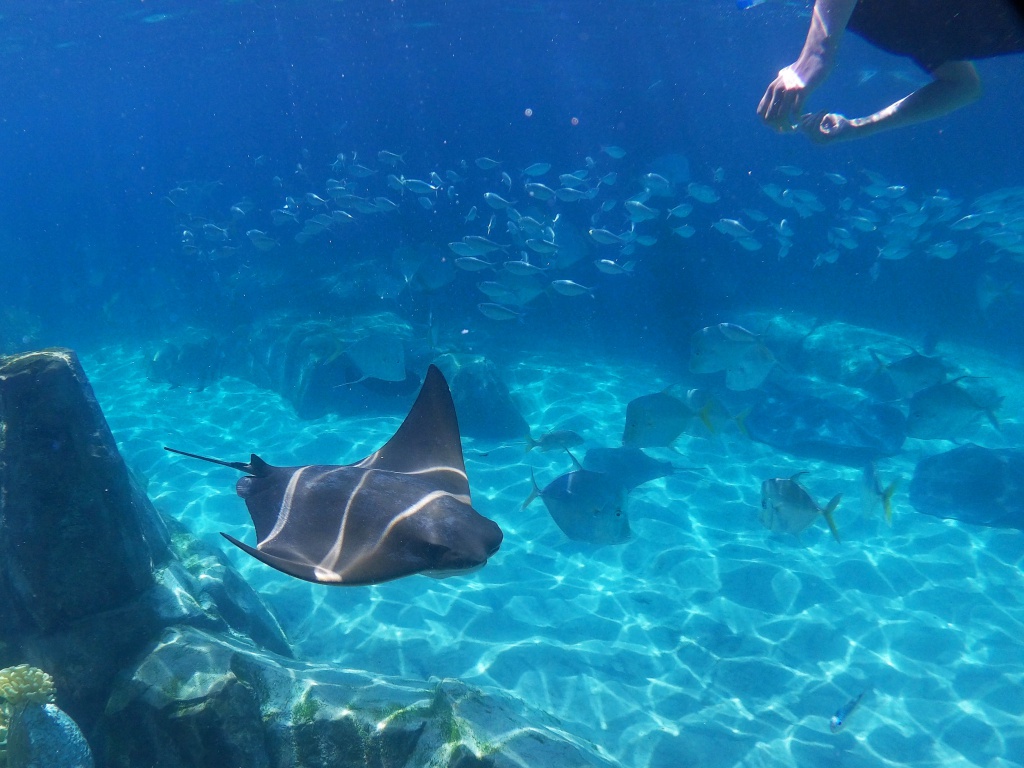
(703, 641)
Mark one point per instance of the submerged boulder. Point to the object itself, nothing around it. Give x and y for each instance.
(482, 399)
(90, 573)
(194, 360)
(331, 366)
(981, 486)
(77, 537)
(160, 651)
(43, 736)
(203, 700)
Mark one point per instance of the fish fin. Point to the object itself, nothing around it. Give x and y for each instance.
(887, 502)
(991, 414)
(530, 442)
(705, 416)
(575, 462)
(534, 491)
(798, 474)
(741, 422)
(878, 361)
(827, 513)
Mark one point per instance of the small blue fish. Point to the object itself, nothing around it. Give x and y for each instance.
(838, 721)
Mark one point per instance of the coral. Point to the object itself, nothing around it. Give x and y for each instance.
(26, 684)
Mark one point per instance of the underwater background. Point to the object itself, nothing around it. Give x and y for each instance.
(162, 164)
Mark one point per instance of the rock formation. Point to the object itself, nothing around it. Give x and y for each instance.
(159, 650)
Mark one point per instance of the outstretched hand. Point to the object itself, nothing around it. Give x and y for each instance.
(827, 127)
(783, 101)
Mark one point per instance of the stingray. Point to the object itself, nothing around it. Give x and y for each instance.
(629, 466)
(404, 509)
(378, 356)
(585, 505)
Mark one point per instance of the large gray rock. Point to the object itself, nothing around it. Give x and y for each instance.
(90, 573)
(43, 736)
(77, 538)
(306, 362)
(482, 401)
(201, 700)
(982, 486)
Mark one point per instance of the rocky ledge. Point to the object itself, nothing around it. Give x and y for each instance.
(162, 654)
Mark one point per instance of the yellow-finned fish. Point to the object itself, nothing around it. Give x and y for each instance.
(874, 494)
(787, 507)
(838, 721)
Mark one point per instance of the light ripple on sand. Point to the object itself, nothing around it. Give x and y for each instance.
(702, 641)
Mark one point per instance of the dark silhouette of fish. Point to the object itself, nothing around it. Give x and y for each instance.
(402, 510)
(585, 505)
(629, 466)
(655, 420)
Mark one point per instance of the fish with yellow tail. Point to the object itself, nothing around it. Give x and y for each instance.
(787, 507)
(838, 721)
(874, 495)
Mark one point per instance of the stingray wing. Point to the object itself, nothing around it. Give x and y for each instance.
(427, 444)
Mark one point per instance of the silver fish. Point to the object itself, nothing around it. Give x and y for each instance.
(702, 193)
(539, 191)
(569, 288)
(497, 311)
(419, 187)
(787, 507)
(522, 268)
(559, 439)
(732, 227)
(944, 411)
(570, 195)
(472, 263)
(261, 240)
(390, 158)
(604, 237)
(541, 246)
(610, 267)
(838, 721)
(912, 373)
(497, 202)
(639, 212)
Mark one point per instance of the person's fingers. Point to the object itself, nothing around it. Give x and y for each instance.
(821, 127)
(812, 121)
(775, 109)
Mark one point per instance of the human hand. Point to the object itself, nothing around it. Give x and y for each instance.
(827, 127)
(782, 101)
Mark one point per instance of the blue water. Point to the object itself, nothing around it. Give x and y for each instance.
(704, 630)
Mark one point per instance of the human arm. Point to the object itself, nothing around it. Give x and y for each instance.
(955, 84)
(783, 102)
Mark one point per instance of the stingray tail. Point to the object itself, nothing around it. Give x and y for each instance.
(255, 466)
